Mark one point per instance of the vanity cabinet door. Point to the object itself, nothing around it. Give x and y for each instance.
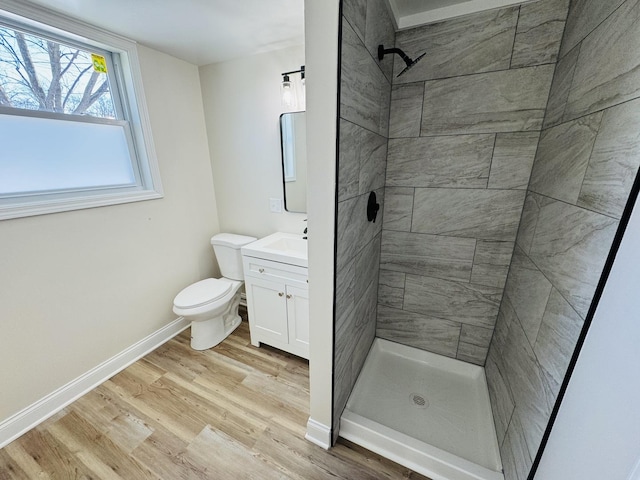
(298, 319)
(267, 311)
(278, 305)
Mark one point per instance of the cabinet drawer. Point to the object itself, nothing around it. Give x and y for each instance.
(259, 268)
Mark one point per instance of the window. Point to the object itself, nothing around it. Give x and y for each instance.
(73, 128)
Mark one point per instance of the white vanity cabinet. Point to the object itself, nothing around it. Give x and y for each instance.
(278, 304)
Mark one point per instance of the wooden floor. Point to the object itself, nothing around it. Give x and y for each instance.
(232, 412)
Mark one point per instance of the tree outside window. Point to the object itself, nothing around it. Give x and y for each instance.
(41, 74)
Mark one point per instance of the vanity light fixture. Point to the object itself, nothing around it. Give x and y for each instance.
(288, 92)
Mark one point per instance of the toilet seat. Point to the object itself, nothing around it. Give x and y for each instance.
(202, 293)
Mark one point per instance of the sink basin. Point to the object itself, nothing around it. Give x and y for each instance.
(279, 247)
(289, 245)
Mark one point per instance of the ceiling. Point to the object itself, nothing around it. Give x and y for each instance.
(211, 31)
(198, 31)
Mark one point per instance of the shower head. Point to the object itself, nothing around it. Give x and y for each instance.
(410, 63)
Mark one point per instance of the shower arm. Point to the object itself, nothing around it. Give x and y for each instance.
(383, 51)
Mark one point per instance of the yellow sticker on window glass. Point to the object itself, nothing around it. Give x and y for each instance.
(99, 63)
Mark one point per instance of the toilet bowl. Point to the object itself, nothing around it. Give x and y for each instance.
(211, 305)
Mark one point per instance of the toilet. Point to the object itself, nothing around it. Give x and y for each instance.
(212, 304)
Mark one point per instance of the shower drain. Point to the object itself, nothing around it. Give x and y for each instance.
(419, 400)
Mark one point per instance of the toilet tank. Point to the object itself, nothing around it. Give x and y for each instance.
(227, 249)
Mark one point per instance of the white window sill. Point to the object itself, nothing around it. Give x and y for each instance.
(29, 209)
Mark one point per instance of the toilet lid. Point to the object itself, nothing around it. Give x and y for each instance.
(201, 293)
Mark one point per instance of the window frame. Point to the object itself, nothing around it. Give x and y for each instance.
(130, 94)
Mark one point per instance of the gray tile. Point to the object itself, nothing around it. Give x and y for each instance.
(352, 342)
(557, 339)
(506, 317)
(467, 352)
(355, 12)
(506, 101)
(570, 246)
(471, 44)
(501, 402)
(348, 167)
(356, 301)
(560, 88)
(512, 161)
(344, 337)
(484, 214)
(507, 458)
(380, 31)
(607, 72)
(341, 390)
(349, 159)
(455, 301)
(347, 231)
(491, 263)
(614, 162)
(391, 288)
(419, 331)
(406, 110)
(474, 344)
(529, 290)
(584, 16)
(364, 329)
(365, 92)
(398, 208)
(532, 205)
(563, 157)
(345, 298)
(367, 266)
(343, 383)
(539, 32)
(354, 231)
(450, 161)
(373, 163)
(531, 392)
(431, 255)
(516, 458)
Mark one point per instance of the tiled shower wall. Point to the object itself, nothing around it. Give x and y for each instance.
(464, 127)
(586, 162)
(365, 90)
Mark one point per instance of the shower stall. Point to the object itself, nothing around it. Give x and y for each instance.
(426, 411)
(502, 160)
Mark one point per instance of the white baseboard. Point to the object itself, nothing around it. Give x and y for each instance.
(23, 421)
(318, 433)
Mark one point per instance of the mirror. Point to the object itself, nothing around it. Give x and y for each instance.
(293, 134)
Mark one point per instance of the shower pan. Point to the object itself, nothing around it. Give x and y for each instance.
(425, 411)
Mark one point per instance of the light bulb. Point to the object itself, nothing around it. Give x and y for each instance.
(287, 92)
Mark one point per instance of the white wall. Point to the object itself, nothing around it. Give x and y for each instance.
(242, 109)
(78, 287)
(597, 431)
(321, 30)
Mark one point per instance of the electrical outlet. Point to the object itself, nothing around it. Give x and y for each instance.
(275, 205)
